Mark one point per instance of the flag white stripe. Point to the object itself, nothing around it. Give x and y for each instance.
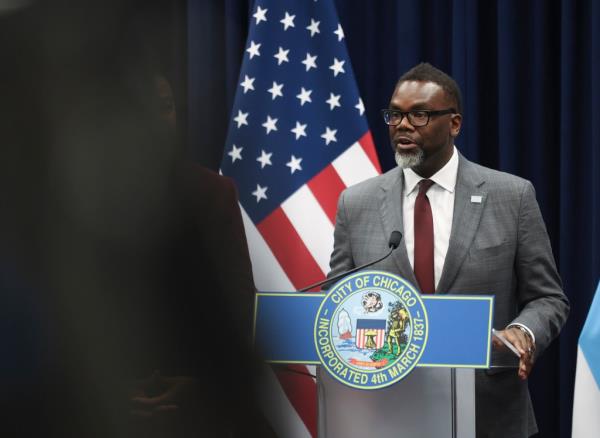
(278, 409)
(312, 225)
(586, 403)
(354, 166)
(268, 273)
(312, 369)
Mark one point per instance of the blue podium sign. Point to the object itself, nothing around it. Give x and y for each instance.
(372, 328)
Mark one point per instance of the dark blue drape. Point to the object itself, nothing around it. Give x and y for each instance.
(529, 73)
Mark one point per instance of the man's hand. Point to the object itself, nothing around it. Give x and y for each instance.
(161, 395)
(524, 345)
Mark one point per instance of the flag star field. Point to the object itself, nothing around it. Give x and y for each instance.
(297, 104)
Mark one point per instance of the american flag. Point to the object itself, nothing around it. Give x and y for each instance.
(297, 137)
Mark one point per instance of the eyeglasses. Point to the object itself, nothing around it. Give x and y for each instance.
(416, 118)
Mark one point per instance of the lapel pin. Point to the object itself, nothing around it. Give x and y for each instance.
(476, 199)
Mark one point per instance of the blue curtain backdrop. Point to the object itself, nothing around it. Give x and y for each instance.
(529, 72)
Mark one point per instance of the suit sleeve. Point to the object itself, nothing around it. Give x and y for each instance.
(543, 305)
(341, 257)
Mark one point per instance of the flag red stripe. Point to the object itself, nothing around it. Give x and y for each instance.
(302, 269)
(366, 142)
(289, 249)
(327, 186)
(360, 338)
(302, 393)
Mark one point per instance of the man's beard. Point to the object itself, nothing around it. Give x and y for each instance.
(410, 159)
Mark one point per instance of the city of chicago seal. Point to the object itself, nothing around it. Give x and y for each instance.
(371, 329)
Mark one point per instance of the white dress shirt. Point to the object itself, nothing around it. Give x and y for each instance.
(441, 199)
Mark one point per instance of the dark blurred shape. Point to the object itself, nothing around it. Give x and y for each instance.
(125, 268)
(9, 6)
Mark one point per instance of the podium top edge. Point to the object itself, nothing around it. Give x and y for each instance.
(292, 294)
(295, 294)
(457, 297)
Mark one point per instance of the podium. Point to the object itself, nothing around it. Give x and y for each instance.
(430, 402)
(430, 393)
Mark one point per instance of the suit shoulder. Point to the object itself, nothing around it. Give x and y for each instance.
(204, 179)
(203, 190)
(371, 185)
(498, 180)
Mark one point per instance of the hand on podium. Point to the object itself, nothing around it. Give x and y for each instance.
(524, 345)
(161, 395)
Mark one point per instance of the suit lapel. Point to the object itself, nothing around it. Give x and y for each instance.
(467, 214)
(390, 202)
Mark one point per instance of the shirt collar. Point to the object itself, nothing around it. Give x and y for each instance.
(445, 177)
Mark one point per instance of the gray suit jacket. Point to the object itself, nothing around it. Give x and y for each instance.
(499, 247)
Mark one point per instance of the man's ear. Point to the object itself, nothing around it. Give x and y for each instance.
(455, 124)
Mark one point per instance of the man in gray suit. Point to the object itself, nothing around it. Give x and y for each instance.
(467, 229)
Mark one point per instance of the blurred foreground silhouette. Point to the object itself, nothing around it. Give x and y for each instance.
(124, 270)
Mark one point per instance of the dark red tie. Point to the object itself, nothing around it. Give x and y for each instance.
(423, 262)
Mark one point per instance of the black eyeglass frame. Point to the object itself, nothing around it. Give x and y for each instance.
(410, 114)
